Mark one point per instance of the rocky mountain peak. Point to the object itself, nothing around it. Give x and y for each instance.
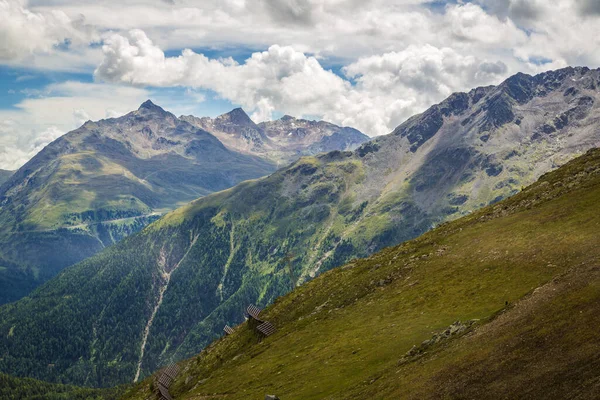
(149, 105)
(236, 116)
(149, 109)
(523, 87)
(282, 140)
(487, 109)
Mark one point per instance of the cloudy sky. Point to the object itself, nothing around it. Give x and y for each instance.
(369, 64)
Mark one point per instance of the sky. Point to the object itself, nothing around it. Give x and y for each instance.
(360, 63)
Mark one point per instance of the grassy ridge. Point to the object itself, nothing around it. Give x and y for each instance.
(343, 334)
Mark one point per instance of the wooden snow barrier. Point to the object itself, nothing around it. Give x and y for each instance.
(172, 370)
(254, 312)
(164, 393)
(228, 330)
(164, 381)
(265, 328)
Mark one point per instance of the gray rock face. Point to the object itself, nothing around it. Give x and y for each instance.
(283, 140)
(478, 147)
(312, 137)
(235, 129)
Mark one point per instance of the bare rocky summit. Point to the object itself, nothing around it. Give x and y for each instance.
(283, 140)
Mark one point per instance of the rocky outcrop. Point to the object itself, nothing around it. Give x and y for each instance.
(456, 329)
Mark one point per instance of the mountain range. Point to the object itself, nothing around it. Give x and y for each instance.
(500, 304)
(165, 293)
(281, 141)
(108, 179)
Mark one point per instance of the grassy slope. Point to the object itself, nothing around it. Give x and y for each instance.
(342, 335)
(544, 347)
(12, 388)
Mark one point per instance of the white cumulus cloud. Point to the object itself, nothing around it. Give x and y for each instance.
(17, 148)
(63, 107)
(24, 33)
(397, 57)
(377, 93)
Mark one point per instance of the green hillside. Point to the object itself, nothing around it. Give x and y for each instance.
(165, 293)
(503, 303)
(12, 388)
